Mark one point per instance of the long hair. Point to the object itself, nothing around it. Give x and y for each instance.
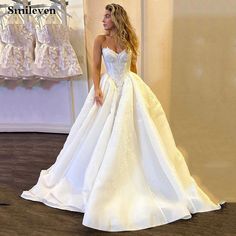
(125, 33)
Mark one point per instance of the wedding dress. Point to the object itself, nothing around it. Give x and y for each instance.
(120, 165)
(16, 57)
(55, 57)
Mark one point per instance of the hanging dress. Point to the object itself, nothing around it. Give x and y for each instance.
(17, 54)
(55, 57)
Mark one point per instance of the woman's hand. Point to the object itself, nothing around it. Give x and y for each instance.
(98, 96)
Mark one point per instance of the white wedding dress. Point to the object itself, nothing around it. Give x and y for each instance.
(120, 165)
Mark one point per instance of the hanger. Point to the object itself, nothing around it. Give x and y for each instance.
(55, 6)
(58, 2)
(18, 1)
(21, 2)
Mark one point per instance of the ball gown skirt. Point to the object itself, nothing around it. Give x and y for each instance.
(120, 165)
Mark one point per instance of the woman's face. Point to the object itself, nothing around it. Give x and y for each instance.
(107, 22)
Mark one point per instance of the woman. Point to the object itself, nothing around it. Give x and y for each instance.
(120, 165)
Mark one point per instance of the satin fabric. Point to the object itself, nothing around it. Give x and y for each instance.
(120, 165)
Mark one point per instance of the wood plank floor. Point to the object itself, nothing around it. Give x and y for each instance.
(23, 155)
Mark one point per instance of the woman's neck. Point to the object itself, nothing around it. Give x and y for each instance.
(112, 33)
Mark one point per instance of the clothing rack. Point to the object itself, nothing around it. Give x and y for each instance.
(62, 5)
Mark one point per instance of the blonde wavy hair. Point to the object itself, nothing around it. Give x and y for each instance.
(125, 33)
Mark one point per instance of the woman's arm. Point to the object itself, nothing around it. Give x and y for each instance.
(97, 58)
(133, 67)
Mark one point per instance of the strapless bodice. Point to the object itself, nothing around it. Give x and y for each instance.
(117, 64)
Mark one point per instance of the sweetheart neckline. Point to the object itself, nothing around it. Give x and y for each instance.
(117, 53)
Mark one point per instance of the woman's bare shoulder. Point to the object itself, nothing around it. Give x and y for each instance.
(99, 39)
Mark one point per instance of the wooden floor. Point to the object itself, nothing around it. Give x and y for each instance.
(23, 155)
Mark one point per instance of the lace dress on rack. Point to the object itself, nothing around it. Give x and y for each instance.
(17, 53)
(55, 57)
